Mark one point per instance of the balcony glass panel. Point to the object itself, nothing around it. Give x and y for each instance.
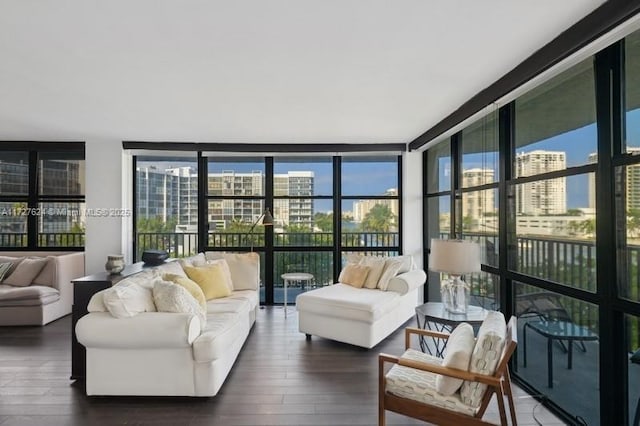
(370, 175)
(439, 167)
(14, 173)
(628, 223)
(166, 205)
(61, 173)
(374, 223)
(317, 263)
(632, 92)
(233, 176)
(62, 224)
(632, 330)
(555, 123)
(559, 336)
(13, 224)
(438, 216)
(480, 222)
(303, 222)
(480, 152)
(231, 220)
(552, 241)
(485, 290)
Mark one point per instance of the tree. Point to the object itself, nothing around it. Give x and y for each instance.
(380, 219)
(324, 221)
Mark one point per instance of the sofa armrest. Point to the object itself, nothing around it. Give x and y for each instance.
(68, 267)
(145, 330)
(407, 281)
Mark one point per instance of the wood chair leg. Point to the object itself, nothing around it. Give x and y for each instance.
(509, 392)
(501, 410)
(381, 391)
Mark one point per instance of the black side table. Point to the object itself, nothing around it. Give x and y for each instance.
(434, 316)
(83, 289)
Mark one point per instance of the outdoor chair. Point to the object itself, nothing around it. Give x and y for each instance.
(412, 386)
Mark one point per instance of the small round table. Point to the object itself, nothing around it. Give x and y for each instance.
(434, 316)
(292, 277)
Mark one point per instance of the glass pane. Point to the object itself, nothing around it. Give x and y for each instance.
(167, 205)
(439, 167)
(550, 325)
(553, 242)
(375, 223)
(63, 224)
(294, 214)
(485, 290)
(303, 176)
(480, 152)
(297, 225)
(236, 176)
(13, 224)
(438, 216)
(480, 222)
(231, 222)
(632, 91)
(379, 173)
(555, 123)
(632, 330)
(317, 263)
(378, 253)
(628, 222)
(61, 173)
(14, 173)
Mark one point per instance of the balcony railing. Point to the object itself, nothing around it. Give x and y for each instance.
(46, 239)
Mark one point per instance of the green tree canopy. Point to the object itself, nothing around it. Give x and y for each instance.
(324, 221)
(380, 218)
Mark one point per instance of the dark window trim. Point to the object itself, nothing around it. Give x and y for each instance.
(603, 19)
(264, 147)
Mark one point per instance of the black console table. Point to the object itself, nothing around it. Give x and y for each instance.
(83, 289)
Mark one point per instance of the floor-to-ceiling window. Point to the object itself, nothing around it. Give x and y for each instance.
(42, 195)
(561, 184)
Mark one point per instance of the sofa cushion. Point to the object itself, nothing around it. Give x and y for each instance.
(169, 297)
(34, 295)
(211, 280)
(391, 267)
(420, 385)
(192, 287)
(244, 267)
(485, 357)
(195, 260)
(250, 296)
(96, 303)
(458, 354)
(221, 331)
(228, 304)
(376, 267)
(49, 274)
(14, 263)
(354, 275)
(127, 299)
(26, 271)
(344, 301)
(171, 267)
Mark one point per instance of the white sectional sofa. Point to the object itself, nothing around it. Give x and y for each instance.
(361, 316)
(166, 353)
(47, 296)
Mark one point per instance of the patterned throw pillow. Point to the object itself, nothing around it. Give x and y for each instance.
(4, 269)
(169, 297)
(486, 354)
(458, 354)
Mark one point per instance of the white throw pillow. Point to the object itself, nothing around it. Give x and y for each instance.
(128, 300)
(485, 357)
(96, 303)
(407, 263)
(458, 354)
(244, 268)
(391, 268)
(169, 297)
(376, 268)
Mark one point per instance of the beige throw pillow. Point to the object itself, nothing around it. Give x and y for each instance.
(191, 286)
(49, 274)
(26, 271)
(244, 268)
(376, 268)
(391, 268)
(354, 275)
(458, 354)
(169, 297)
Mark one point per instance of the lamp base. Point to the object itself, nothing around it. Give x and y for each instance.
(455, 295)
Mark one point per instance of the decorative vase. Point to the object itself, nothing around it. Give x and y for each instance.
(455, 296)
(115, 263)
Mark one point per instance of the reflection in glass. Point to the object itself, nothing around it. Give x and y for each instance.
(552, 241)
(61, 173)
(628, 222)
(13, 224)
(480, 152)
(555, 123)
(480, 222)
(632, 334)
(439, 167)
(62, 224)
(552, 324)
(166, 205)
(14, 173)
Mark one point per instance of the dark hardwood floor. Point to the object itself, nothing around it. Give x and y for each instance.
(278, 379)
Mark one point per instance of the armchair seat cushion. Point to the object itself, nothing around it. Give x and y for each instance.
(420, 386)
(34, 295)
(345, 301)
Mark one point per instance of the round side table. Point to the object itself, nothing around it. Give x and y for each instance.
(303, 278)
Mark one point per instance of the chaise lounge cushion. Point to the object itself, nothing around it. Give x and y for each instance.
(33, 295)
(344, 301)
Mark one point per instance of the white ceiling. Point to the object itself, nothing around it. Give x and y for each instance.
(286, 71)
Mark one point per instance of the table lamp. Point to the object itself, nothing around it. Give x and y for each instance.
(456, 258)
(267, 219)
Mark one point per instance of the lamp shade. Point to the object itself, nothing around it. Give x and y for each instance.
(267, 218)
(455, 257)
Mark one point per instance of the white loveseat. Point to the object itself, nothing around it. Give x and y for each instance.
(361, 316)
(162, 353)
(48, 294)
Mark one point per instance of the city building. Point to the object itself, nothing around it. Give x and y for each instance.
(477, 204)
(362, 207)
(546, 197)
(632, 182)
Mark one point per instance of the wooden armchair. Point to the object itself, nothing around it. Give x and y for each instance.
(448, 410)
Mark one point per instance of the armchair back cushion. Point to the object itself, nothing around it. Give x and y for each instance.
(458, 354)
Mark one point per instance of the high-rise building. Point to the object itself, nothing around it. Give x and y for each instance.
(362, 207)
(296, 211)
(632, 182)
(477, 204)
(544, 197)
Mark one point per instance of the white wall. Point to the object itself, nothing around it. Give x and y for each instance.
(412, 206)
(104, 159)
